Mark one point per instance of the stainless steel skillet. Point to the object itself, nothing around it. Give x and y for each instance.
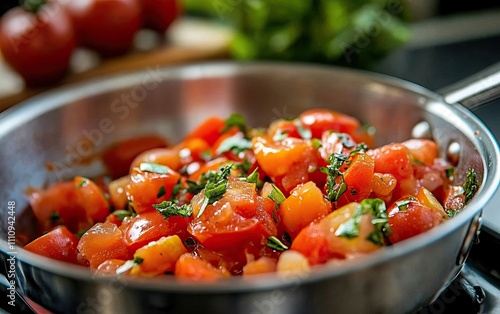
(57, 127)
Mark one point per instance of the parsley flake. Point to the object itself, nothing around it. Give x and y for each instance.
(332, 170)
(161, 192)
(215, 188)
(471, 185)
(154, 168)
(236, 143)
(275, 244)
(169, 208)
(235, 120)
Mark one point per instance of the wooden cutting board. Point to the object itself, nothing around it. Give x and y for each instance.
(187, 41)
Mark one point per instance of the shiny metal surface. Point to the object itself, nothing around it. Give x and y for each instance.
(57, 128)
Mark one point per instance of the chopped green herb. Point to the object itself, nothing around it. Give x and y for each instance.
(316, 143)
(281, 135)
(451, 213)
(276, 195)
(54, 217)
(403, 204)
(236, 120)
(304, 132)
(332, 170)
(346, 141)
(121, 214)
(138, 260)
(275, 244)
(236, 143)
(375, 207)
(169, 208)
(354, 192)
(155, 168)
(471, 185)
(253, 177)
(215, 188)
(161, 192)
(206, 155)
(82, 183)
(244, 166)
(450, 172)
(360, 148)
(176, 190)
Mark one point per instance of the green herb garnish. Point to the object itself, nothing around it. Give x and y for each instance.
(154, 168)
(403, 204)
(121, 214)
(332, 170)
(161, 192)
(236, 143)
(169, 209)
(275, 244)
(471, 185)
(236, 120)
(276, 195)
(375, 207)
(316, 143)
(304, 132)
(451, 213)
(281, 135)
(449, 172)
(253, 177)
(215, 188)
(54, 217)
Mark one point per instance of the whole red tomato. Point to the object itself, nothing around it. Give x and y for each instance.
(38, 45)
(159, 14)
(107, 26)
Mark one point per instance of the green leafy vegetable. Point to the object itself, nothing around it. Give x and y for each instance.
(154, 168)
(275, 244)
(316, 143)
(121, 214)
(276, 195)
(403, 204)
(332, 170)
(471, 185)
(451, 213)
(236, 120)
(236, 143)
(215, 188)
(161, 192)
(375, 207)
(169, 208)
(253, 177)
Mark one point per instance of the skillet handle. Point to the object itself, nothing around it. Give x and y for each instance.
(476, 90)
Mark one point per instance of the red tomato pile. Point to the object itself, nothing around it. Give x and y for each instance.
(230, 200)
(38, 38)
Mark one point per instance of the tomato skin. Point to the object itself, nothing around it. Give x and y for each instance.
(59, 244)
(321, 120)
(304, 205)
(120, 156)
(38, 46)
(107, 26)
(393, 159)
(151, 226)
(102, 242)
(144, 188)
(414, 220)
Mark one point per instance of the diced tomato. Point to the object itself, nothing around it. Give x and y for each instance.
(118, 192)
(382, 185)
(151, 226)
(426, 198)
(158, 257)
(358, 177)
(454, 198)
(119, 157)
(321, 120)
(228, 224)
(191, 150)
(334, 142)
(408, 218)
(320, 242)
(276, 158)
(109, 267)
(59, 244)
(209, 130)
(102, 242)
(281, 129)
(164, 156)
(422, 151)
(90, 198)
(394, 159)
(304, 205)
(213, 165)
(192, 267)
(57, 205)
(148, 188)
(262, 265)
